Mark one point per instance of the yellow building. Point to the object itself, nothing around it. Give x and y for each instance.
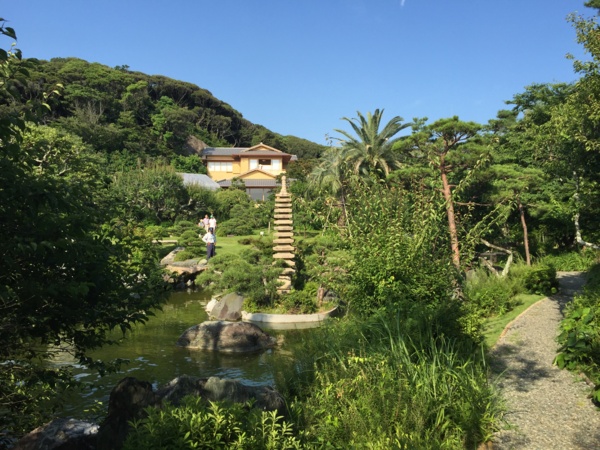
(257, 167)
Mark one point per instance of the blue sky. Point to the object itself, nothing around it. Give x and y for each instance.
(298, 66)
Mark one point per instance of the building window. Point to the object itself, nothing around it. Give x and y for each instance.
(214, 166)
(265, 164)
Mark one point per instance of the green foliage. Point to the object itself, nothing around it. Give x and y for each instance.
(187, 254)
(227, 199)
(195, 424)
(188, 164)
(366, 384)
(303, 301)
(538, 279)
(182, 226)
(235, 227)
(192, 241)
(492, 295)
(250, 272)
(398, 254)
(70, 274)
(157, 232)
(572, 261)
(152, 194)
(579, 337)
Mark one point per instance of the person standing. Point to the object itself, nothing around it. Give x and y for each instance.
(210, 241)
(204, 222)
(212, 222)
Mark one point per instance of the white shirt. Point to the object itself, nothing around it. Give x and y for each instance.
(209, 238)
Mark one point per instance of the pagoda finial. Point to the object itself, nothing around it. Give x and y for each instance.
(283, 186)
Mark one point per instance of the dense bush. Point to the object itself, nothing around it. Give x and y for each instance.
(303, 301)
(196, 424)
(157, 231)
(539, 278)
(573, 261)
(235, 227)
(490, 294)
(184, 225)
(251, 273)
(186, 254)
(579, 337)
(366, 384)
(403, 265)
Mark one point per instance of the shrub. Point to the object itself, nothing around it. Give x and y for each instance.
(191, 238)
(579, 337)
(540, 279)
(303, 302)
(248, 273)
(185, 255)
(374, 387)
(236, 227)
(490, 294)
(183, 226)
(196, 424)
(573, 261)
(157, 231)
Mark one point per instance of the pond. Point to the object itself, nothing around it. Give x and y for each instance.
(155, 358)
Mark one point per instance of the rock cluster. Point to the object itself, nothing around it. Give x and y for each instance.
(127, 402)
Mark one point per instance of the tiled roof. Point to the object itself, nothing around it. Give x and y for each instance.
(222, 151)
(201, 180)
(252, 183)
(234, 151)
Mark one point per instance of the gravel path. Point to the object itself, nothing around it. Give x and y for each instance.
(547, 407)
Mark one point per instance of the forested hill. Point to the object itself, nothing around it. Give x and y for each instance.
(130, 115)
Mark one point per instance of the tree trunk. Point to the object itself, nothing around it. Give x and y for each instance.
(451, 219)
(525, 235)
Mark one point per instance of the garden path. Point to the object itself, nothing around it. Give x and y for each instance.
(547, 408)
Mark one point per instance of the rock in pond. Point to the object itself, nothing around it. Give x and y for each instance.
(63, 434)
(226, 337)
(228, 307)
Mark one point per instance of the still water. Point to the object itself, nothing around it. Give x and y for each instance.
(155, 358)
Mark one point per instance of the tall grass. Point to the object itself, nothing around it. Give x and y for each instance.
(375, 387)
(573, 261)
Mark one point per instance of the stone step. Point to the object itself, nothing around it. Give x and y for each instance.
(283, 241)
(284, 248)
(283, 234)
(283, 255)
(287, 283)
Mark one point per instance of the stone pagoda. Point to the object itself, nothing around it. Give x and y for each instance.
(284, 237)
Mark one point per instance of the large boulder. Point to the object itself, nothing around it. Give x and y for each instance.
(226, 337)
(127, 402)
(219, 389)
(61, 434)
(228, 307)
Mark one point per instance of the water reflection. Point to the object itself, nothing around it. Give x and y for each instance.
(155, 358)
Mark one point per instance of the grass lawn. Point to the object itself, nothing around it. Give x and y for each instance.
(495, 325)
(230, 245)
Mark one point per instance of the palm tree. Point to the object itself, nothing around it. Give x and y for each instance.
(371, 150)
